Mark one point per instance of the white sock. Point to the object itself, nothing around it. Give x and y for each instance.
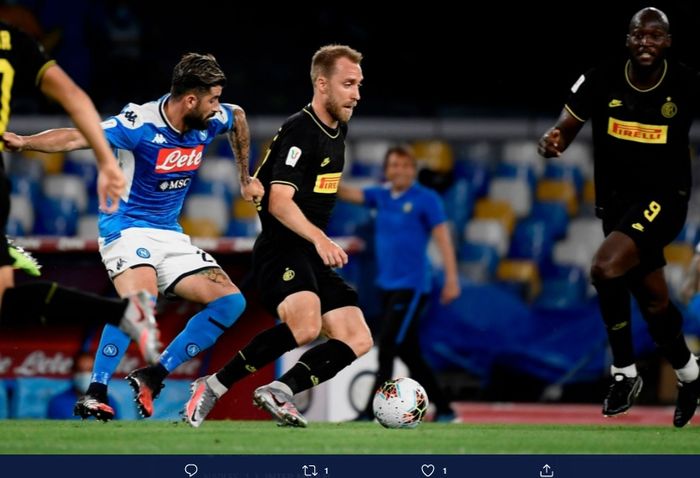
(690, 371)
(282, 386)
(216, 386)
(629, 371)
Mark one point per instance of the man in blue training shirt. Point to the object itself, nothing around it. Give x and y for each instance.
(408, 215)
(160, 146)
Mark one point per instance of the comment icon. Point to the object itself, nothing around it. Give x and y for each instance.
(191, 469)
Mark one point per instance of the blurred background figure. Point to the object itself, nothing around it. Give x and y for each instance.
(408, 215)
(61, 405)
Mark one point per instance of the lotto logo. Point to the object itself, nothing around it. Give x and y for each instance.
(172, 160)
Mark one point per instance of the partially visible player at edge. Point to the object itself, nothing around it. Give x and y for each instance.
(641, 111)
(293, 259)
(23, 63)
(160, 146)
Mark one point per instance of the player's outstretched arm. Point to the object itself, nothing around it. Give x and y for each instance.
(58, 85)
(239, 139)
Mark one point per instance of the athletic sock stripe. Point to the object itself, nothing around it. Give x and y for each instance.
(218, 324)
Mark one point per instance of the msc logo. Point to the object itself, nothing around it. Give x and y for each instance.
(637, 132)
(327, 183)
(173, 184)
(288, 274)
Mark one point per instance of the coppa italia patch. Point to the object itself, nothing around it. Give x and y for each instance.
(293, 156)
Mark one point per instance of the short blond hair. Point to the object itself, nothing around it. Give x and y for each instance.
(323, 61)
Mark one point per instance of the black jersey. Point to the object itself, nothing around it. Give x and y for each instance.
(309, 156)
(22, 63)
(640, 137)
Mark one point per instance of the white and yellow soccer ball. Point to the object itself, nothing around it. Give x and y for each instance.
(400, 403)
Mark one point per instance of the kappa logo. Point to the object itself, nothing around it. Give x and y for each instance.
(614, 103)
(120, 263)
(325, 162)
(158, 139)
(130, 117)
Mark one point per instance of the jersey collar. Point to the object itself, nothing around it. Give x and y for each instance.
(331, 132)
(629, 82)
(161, 109)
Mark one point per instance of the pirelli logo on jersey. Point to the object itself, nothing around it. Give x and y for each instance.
(173, 160)
(638, 132)
(327, 183)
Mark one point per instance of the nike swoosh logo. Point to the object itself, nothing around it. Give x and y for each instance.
(615, 103)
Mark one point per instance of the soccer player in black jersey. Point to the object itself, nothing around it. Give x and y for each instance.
(641, 111)
(293, 258)
(23, 63)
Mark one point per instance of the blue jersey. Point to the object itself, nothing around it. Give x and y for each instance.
(158, 162)
(403, 228)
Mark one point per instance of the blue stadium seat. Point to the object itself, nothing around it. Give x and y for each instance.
(567, 172)
(563, 286)
(217, 189)
(477, 173)
(477, 262)
(27, 186)
(554, 214)
(459, 203)
(56, 217)
(532, 239)
(85, 168)
(517, 170)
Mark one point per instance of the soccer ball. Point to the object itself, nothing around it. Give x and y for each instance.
(400, 403)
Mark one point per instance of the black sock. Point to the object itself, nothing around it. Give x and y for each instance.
(318, 365)
(614, 302)
(35, 303)
(667, 331)
(98, 390)
(265, 347)
(158, 371)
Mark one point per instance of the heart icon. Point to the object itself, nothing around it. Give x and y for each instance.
(427, 470)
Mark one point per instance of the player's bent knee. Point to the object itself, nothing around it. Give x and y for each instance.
(227, 309)
(306, 333)
(361, 343)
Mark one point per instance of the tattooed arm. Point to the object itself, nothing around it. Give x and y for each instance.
(239, 139)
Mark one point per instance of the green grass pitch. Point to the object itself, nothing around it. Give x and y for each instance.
(262, 437)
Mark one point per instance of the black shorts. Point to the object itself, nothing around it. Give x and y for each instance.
(652, 223)
(283, 270)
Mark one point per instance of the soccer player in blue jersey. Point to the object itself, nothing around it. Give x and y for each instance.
(160, 146)
(408, 216)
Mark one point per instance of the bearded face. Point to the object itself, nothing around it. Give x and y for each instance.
(199, 117)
